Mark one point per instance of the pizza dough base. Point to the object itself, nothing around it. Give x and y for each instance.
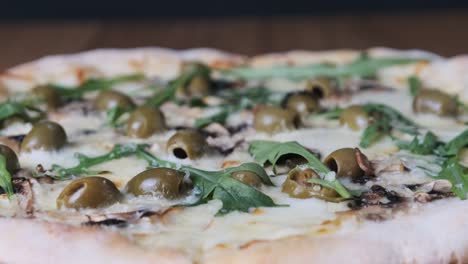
(435, 236)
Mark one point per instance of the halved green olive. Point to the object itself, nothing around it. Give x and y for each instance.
(45, 135)
(48, 95)
(354, 117)
(187, 144)
(302, 103)
(89, 192)
(247, 177)
(109, 99)
(344, 162)
(435, 102)
(145, 121)
(12, 163)
(296, 185)
(272, 119)
(157, 181)
(320, 87)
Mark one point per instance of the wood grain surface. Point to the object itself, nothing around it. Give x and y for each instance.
(443, 32)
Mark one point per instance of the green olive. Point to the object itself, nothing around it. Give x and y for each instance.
(48, 95)
(344, 162)
(272, 119)
(320, 87)
(11, 160)
(89, 192)
(354, 117)
(157, 181)
(200, 84)
(145, 121)
(296, 185)
(302, 103)
(45, 135)
(247, 177)
(187, 144)
(110, 99)
(435, 102)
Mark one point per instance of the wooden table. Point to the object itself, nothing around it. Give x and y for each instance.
(442, 32)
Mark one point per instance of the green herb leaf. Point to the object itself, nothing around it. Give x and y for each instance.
(332, 113)
(219, 117)
(424, 147)
(9, 109)
(114, 113)
(335, 185)
(453, 146)
(5, 177)
(93, 85)
(386, 120)
(235, 195)
(169, 92)
(414, 85)
(362, 67)
(85, 162)
(263, 151)
(457, 174)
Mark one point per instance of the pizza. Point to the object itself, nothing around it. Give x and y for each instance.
(154, 155)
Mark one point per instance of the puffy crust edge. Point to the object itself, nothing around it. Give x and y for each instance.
(435, 235)
(32, 241)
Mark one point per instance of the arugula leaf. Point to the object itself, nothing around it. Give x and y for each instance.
(114, 113)
(235, 195)
(263, 151)
(415, 85)
(271, 151)
(387, 119)
(85, 162)
(10, 108)
(335, 185)
(237, 100)
(219, 117)
(362, 67)
(453, 146)
(5, 178)
(332, 113)
(92, 85)
(169, 92)
(457, 174)
(424, 147)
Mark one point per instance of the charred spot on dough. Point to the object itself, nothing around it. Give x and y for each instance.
(108, 222)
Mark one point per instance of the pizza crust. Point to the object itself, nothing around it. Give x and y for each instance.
(409, 239)
(32, 241)
(435, 235)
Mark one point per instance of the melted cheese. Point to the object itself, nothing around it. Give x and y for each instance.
(195, 229)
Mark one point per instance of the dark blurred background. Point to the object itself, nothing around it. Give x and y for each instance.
(30, 29)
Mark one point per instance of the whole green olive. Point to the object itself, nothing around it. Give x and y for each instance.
(321, 87)
(45, 135)
(354, 117)
(272, 119)
(89, 192)
(145, 121)
(344, 162)
(435, 102)
(157, 181)
(200, 84)
(187, 144)
(302, 103)
(247, 177)
(47, 95)
(11, 160)
(109, 99)
(296, 185)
